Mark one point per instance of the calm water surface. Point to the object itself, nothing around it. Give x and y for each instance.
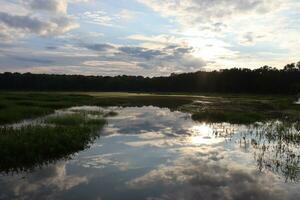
(153, 153)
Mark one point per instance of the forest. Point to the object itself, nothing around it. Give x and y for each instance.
(264, 80)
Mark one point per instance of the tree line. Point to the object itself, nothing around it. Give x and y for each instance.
(264, 80)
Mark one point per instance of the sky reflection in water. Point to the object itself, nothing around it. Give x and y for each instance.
(152, 153)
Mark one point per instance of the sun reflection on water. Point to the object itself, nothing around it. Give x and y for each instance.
(203, 134)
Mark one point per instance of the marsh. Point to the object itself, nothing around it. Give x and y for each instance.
(152, 152)
(149, 99)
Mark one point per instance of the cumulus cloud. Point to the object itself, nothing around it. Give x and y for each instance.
(56, 6)
(202, 11)
(187, 35)
(170, 56)
(104, 59)
(8, 35)
(25, 22)
(208, 176)
(141, 53)
(103, 18)
(31, 24)
(54, 178)
(34, 20)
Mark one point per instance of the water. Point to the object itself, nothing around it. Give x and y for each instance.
(152, 153)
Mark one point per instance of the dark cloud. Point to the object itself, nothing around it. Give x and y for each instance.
(51, 48)
(140, 52)
(24, 22)
(34, 60)
(49, 5)
(34, 25)
(171, 56)
(34, 20)
(100, 47)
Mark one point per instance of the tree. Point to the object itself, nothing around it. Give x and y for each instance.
(236, 80)
(298, 65)
(290, 67)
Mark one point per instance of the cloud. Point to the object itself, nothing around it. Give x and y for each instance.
(127, 15)
(34, 25)
(56, 6)
(250, 38)
(160, 39)
(34, 20)
(169, 56)
(26, 23)
(34, 60)
(103, 161)
(103, 18)
(205, 34)
(195, 12)
(9, 35)
(101, 47)
(54, 178)
(208, 176)
(97, 17)
(172, 56)
(141, 53)
(99, 58)
(51, 47)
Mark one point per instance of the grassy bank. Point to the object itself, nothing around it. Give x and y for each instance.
(15, 106)
(55, 138)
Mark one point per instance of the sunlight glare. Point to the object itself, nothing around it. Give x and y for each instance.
(202, 134)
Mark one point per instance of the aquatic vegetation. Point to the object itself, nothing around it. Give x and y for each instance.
(111, 114)
(161, 149)
(2, 106)
(67, 119)
(235, 109)
(276, 148)
(245, 110)
(275, 145)
(55, 138)
(231, 117)
(16, 106)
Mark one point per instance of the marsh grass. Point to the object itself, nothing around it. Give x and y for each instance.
(229, 116)
(67, 119)
(58, 137)
(276, 147)
(89, 112)
(243, 108)
(17, 106)
(111, 114)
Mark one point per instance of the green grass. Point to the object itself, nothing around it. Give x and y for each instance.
(76, 119)
(67, 120)
(16, 106)
(56, 138)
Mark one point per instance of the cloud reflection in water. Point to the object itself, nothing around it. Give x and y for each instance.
(153, 153)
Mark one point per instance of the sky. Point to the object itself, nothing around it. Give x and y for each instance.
(146, 37)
